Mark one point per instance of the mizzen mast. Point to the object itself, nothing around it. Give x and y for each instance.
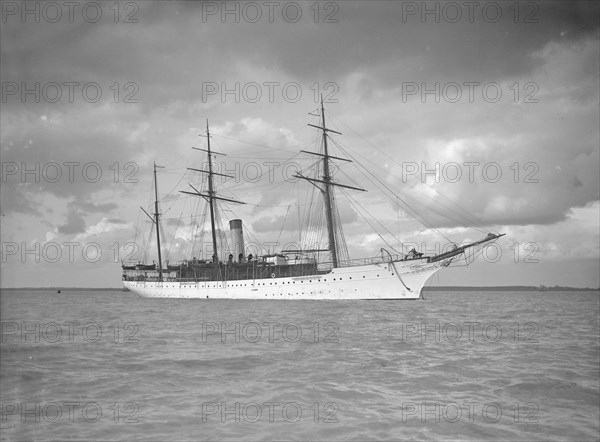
(155, 220)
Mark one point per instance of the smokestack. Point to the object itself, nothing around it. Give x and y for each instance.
(237, 238)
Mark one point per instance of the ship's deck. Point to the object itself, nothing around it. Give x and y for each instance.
(194, 271)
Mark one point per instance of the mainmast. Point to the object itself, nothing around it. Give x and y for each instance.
(212, 194)
(327, 186)
(156, 218)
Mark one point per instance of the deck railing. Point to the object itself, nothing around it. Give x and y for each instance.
(321, 267)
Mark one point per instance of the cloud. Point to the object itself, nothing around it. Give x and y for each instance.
(74, 224)
(91, 207)
(99, 229)
(546, 149)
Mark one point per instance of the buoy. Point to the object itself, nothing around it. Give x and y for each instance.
(272, 275)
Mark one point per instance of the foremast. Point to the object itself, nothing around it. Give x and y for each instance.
(328, 184)
(328, 193)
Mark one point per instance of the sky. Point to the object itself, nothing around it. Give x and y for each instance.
(472, 117)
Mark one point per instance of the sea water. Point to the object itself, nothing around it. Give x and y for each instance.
(108, 365)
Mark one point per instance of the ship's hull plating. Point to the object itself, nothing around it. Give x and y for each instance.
(397, 280)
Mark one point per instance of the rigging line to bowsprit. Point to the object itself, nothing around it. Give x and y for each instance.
(465, 219)
(360, 209)
(347, 152)
(467, 213)
(462, 219)
(414, 212)
(361, 168)
(469, 259)
(432, 209)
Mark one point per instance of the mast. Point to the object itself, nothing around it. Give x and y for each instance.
(328, 184)
(328, 192)
(156, 217)
(211, 198)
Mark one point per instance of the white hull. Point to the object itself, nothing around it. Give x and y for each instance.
(373, 281)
